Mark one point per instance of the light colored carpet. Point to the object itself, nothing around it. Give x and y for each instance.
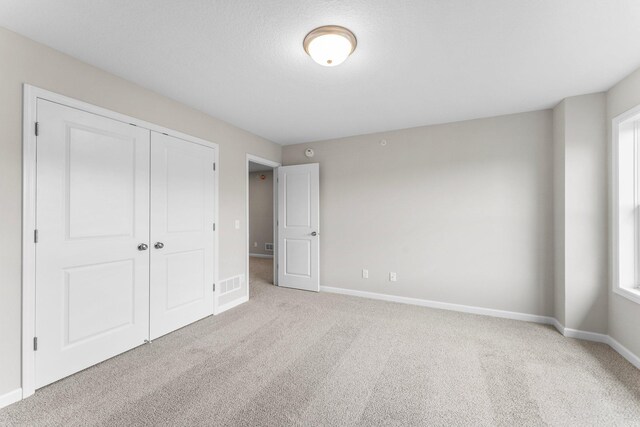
(291, 357)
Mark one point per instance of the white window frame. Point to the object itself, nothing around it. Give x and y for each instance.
(625, 209)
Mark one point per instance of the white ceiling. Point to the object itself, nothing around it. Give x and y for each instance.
(418, 62)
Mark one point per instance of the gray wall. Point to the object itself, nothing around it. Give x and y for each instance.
(581, 212)
(260, 212)
(463, 212)
(624, 314)
(25, 61)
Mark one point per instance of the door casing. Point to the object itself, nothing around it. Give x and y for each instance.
(275, 166)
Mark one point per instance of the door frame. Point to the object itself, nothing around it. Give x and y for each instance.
(275, 166)
(31, 94)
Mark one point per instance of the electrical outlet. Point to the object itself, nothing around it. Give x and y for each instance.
(255, 244)
(237, 224)
(393, 277)
(365, 273)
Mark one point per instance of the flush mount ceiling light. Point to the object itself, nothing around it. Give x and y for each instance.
(330, 45)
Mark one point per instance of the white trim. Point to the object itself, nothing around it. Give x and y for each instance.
(28, 245)
(617, 288)
(262, 161)
(31, 94)
(624, 352)
(584, 335)
(260, 255)
(630, 294)
(274, 165)
(232, 304)
(578, 334)
(443, 305)
(559, 326)
(601, 338)
(11, 397)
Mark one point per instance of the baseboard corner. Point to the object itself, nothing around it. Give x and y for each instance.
(559, 326)
(624, 351)
(10, 397)
(585, 335)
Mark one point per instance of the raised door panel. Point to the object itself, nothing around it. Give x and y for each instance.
(186, 177)
(99, 299)
(100, 183)
(297, 193)
(298, 257)
(185, 278)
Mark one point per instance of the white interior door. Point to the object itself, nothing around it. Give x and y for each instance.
(299, 227)
(92, 282)
(182, 233)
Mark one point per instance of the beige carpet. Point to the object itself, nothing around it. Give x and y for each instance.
(290, 357)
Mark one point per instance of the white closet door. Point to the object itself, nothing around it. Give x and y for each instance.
(182, 236)
(299, 224)
(92, 282)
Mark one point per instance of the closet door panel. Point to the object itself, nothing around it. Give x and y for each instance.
(92, 282)
(182, 235)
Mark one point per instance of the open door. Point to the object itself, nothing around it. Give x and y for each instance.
(298, 227)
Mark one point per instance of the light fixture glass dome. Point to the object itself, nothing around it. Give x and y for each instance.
(330, 45)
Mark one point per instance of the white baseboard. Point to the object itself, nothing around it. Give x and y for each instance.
(587, 336)
(260, 255)
(11, 397)
(578, 334)
(602, 338)
(624, 352)
(442, 305)
(230, 305)
(547, 320)
(559, 326)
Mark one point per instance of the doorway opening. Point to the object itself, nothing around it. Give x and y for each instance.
(261, 222)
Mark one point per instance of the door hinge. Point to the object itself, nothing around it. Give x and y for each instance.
(35, 236)
(214, 287)
(37, 130)
(214, 226)
(35, 343)
(214, 166)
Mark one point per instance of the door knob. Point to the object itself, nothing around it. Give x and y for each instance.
(143, 247)
(313, 233)
(159, 245)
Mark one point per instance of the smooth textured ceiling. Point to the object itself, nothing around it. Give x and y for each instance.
(418, 62)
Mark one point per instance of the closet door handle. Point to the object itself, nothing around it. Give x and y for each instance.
(159, 245)
(143, 247)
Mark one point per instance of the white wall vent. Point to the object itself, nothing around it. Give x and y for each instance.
(231, 284)
(268, 247)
